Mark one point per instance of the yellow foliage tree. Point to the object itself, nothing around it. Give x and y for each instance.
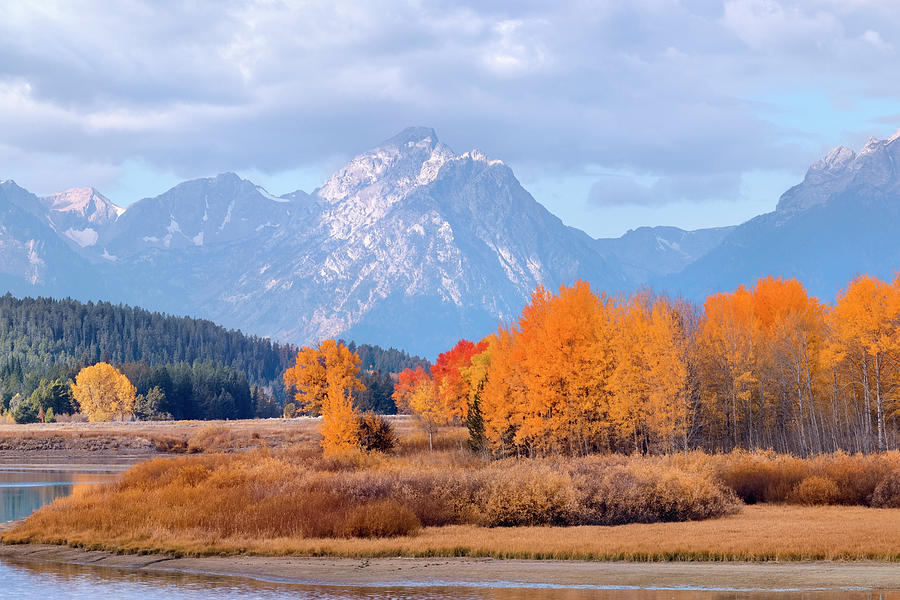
(340, 424)
(323, 379)
(865, 327)
(417, 393)
(103, 393)
(329, 370)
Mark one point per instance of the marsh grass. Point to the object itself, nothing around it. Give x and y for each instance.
(837, 478)
(271, 491)
(758, 533)
(301, 494)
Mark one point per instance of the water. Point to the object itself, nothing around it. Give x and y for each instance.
(26, 488)
(23, 489)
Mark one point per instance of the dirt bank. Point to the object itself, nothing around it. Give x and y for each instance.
(142, 439)
(481, 572)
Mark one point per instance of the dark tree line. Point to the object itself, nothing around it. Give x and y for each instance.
(201, 369)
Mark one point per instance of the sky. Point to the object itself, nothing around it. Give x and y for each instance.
(612, 113)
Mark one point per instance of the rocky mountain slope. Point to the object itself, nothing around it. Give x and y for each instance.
(34, 258)
(840, 222)
(409, 244)
(413, 245)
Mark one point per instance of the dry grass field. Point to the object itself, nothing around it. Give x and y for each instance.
(757, 533)
(263, 487)
(152, 437)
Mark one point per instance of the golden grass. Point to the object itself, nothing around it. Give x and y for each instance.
(284, 497)
(298, 493)
(758, 533)
(191, 437)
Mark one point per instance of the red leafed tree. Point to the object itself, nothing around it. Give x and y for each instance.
(452, 387)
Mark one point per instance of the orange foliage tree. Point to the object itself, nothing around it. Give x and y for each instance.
(452, 388)
(417, 393)
(766, 366)
(322, 379)
(865, 347)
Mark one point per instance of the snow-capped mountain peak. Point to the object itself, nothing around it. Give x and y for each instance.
(874, 166)
(895, 137)
(412, 157)
(85, 203)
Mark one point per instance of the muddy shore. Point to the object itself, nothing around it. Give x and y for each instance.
(491, 572)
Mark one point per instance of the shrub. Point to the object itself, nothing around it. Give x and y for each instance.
(299, 492)
(815, 490)
(524, 493)
(381, 518)
(769, 477)
(376, 433)
(887, 493)
(761, 476)
(290, 410)
(636, 493)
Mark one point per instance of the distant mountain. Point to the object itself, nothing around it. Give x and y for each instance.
(840, 222)
(414, 245)
(200, 213)
(80, 214)
(409, 244)
(646, 253)
(34, 259)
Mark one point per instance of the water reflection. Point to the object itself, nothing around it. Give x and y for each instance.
(26, 579)
(23, 489)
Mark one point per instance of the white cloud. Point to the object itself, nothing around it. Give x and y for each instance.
(657, 87)
(870, 36)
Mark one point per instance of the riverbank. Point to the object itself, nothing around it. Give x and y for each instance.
(475, 572)
(759, 533)
(140, 440)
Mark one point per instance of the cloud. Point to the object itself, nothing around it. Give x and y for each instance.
(639, 86)
(623, 190)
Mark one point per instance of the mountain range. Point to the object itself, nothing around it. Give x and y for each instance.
(413, 245)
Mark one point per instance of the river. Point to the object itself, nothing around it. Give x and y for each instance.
(24, 489)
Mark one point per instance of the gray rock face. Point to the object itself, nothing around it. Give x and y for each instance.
(33, 257)
(843, 169)
(409, 244)
(840, 222)
(81, 215)
(646, 253)
(199, 213)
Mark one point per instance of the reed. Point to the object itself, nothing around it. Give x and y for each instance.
(300, 493)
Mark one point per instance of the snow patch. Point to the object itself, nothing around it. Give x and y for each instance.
(227, 218)
(663, 243)
(173, 228)
(262, 192)
(83, 237)
(479, 156)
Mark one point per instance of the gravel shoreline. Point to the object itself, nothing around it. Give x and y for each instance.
(474, 572)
